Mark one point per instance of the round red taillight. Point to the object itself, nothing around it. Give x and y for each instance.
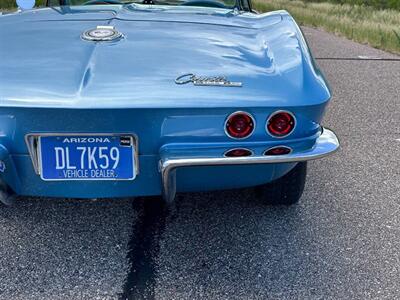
(280, 124)
(280, 150)
(238, 152)
(239, 125)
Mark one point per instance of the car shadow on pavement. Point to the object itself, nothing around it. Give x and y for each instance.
(229, 244)
(58, 249)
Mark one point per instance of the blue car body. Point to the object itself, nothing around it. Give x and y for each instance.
(52, 82)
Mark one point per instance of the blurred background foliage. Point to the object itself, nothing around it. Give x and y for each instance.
(9, 4)
(380, 4)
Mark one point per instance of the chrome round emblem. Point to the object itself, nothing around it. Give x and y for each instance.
(101, 34)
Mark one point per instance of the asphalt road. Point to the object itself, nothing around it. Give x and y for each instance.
(341, 242)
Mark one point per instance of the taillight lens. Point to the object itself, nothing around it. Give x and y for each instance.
(239, 125)
(280, 124)
(238, 152)
(280, 150)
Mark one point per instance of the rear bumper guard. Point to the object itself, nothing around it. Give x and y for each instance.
(326, 144)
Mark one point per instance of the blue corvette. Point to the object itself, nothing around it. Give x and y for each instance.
(115, 98)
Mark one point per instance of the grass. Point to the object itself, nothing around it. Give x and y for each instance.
(363, 24)
(380, 4)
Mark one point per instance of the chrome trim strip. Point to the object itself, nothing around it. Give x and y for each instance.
(245, 113)
(327, 143)
(277, 112)
(32, 142)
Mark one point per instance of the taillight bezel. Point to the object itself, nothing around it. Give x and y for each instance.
(239, 148)
(275, 147)
(274, 114)
(239, 112)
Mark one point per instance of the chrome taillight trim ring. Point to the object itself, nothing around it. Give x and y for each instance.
(236, 113)
(278, 112)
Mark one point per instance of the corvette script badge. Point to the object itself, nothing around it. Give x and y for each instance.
(206, 81)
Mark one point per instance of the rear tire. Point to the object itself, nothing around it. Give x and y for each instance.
(286, 190)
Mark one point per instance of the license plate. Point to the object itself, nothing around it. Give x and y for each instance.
(81, 157)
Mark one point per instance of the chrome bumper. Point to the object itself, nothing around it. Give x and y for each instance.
(327, 143)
